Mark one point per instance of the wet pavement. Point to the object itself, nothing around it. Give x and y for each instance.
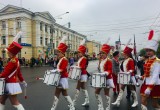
(40, 96)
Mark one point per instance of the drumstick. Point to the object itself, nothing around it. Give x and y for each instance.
(25, 92)
(39, 78)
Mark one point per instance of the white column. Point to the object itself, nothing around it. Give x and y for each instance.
(44, 35)
(14, 26)
(24, 30)
(6, 33)
(56, 37)
(38, 33)
(49, 35)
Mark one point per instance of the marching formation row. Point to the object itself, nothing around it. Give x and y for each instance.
(124, 73)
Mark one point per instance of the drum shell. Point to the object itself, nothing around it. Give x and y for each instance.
(2, 86)
(98, 80)
(52, 79)
(124, 78)
(75, 73)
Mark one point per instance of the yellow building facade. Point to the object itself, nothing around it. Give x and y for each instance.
(93, 48)
(41, 33)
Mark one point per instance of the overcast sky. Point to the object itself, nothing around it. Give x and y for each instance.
(100, 19)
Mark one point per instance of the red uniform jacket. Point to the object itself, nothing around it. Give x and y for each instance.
(82, 63)
(62, 66)
(130, 66)
(9, 68)
(108, 68)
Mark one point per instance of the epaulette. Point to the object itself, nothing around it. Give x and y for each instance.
(13, 60)
(157, 60)
(130, 58)
(65, 58)
(84, 57)
(109, 59)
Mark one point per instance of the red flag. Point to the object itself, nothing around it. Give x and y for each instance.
(151, 33)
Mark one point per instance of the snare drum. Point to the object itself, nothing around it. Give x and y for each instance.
(52, 78)
(98, 80)
(75, 72)
(2, 86)
(124, 78)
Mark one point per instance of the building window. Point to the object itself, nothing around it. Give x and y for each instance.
(3, 40)
(51, 40)
(41, 26)
(19, 40)
(46, 41)
(51, 30)
(45, 28)
(3, 25)
(18, 24)
(3, 54)
(41, 40)
(56, 43)
(53, 45)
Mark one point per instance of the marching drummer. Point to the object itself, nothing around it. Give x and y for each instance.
(12, 75)
(151, 78)
(63, 83)
(127, 66)
(82, 64)
(106, 70)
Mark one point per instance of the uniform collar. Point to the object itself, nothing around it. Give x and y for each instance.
(153, 57)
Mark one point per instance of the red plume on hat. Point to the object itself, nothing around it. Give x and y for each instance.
(15, 47)
(152, 43)
(151, 33)
(62, 47)
(82, 47)
(127, 50)
(105, 47)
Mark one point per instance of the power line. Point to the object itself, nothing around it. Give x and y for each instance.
(119, 23)
(155, 20)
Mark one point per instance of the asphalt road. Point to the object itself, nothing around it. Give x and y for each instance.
(40, 96)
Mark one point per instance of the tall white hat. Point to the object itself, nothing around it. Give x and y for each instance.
(152, 43)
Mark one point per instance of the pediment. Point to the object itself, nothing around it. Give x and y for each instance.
(47, 15)
(12, 9)
(9, 8)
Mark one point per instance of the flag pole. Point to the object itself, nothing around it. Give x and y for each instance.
(135, 53)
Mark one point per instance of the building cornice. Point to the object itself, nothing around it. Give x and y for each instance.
(70, 30)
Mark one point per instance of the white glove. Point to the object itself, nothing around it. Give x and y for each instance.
(138, 76)
(59, 70)
(103, 74)
(130, 71)
(127, 73)
(24, 84)
(147, 91)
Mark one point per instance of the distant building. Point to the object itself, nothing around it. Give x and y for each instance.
(93, 48)
(41, 33)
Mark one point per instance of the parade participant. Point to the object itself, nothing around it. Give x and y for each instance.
(128, 66)
(82, 64)
(151, 78)
(105, 69)
(63, 83)
(12, 75)
(115, 64)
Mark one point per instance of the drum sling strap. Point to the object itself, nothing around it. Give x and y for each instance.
(13, 71)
